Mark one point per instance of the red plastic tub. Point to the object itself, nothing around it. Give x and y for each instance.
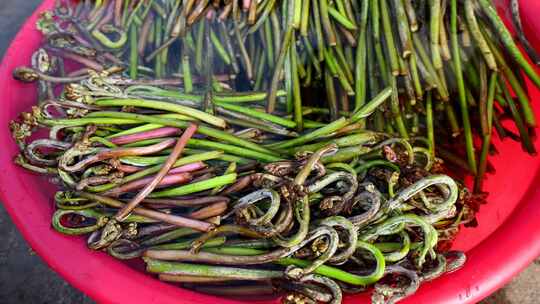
(506, 240)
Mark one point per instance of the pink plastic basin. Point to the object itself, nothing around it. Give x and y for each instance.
(506, 240)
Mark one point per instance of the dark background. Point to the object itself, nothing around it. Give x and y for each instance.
(24, 278)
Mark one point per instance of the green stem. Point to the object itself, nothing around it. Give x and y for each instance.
(474, 29)
(272, 94)
(196, 187)
(326, 23)
(508, 40)
(156, 266)
(429, 124)
(317, 133)
(164, 106)
(250, 111)
(200, 143)
(154, 169)
(328, 271)
(435, 22)
(208, 131)
(469, 144)
(373, 105)
(297, 98)
(396, 109)
(389, 37)
(133, 54)
(341, 19)
(304, 22)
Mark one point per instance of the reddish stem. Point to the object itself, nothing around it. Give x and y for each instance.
(145, 31)
(82, 60)
(169, 180)
(112, 58)
(246, 4)
(156, 133)
(118, 13)
(152, 214)
(210, 14)
(128, 168)
(81, 40)
(109, 15)
(182, 169)
(186, 202)
(239, 185)
(177, 150)
(188, 168)
(116, 153)
(79, 72)
(209, 211)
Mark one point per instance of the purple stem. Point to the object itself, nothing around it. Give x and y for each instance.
(113, 153)
(79, 72)
(157, 133)
(109, 15)
(184, 201)
(118, 12)
(168, 180)
(182, 169)
(112, 58)
(81, 40)
(128, 168)
(82, 60)
(188, 168)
